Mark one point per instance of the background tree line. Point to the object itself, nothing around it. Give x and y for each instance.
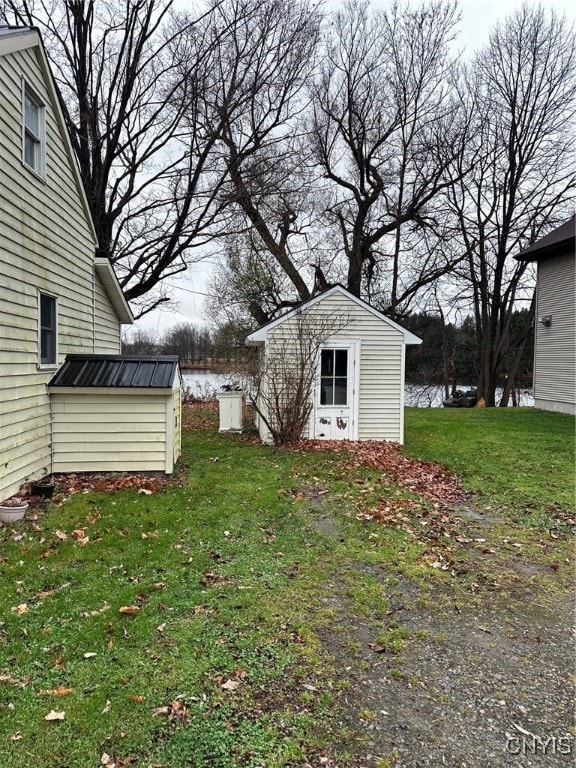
(446, 358)
(299, 148)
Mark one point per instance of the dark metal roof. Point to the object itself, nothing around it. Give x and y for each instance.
(556, 243)
(116, 371)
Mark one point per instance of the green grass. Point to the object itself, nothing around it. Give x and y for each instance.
(516, 459)
(228, 568)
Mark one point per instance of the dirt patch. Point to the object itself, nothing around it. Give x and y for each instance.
(486, 675)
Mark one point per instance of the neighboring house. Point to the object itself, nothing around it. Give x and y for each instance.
(555, 343)
(358, 375)
(56, 298)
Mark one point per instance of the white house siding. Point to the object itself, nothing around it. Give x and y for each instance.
(381, 383)
(555, 355)
(107, 337)
(46, 244)
(111, 431)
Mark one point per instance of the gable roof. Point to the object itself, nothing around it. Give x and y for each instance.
(260, 334)
(556, 243)
(122, 371)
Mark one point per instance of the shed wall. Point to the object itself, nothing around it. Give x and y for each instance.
(555, 353)
(381, 381)
(124, 432)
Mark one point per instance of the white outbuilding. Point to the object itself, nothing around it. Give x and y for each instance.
(116, 413)
(356, 359)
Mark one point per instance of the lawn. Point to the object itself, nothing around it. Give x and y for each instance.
(183, 626)
(518, 459)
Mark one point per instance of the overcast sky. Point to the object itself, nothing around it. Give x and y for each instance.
(478, 18)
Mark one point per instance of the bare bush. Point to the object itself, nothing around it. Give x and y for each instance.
(285, 373)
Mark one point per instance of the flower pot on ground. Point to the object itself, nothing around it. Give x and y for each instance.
(12, 510)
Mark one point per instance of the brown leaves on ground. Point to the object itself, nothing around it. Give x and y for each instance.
(199, 415)
(430, 523)
(74, 483)
(432, 481)
(175, 711)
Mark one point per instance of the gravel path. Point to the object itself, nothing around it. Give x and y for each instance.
(486, 679)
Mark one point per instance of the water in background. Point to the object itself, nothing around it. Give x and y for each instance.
(205, 385)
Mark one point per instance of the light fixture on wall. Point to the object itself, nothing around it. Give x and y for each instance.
(545, 320)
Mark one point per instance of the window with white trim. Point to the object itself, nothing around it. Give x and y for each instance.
(333, 377)
(48, 329)
(34, 132)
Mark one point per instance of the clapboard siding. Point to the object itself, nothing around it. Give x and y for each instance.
(555, 354)
(381, 381)
(106, 325)
(110, 432)
(47, 245)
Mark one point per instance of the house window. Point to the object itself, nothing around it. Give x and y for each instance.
(34, 132)
(333, 377)
(48, 330)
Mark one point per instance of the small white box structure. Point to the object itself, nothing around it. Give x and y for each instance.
(231, 406)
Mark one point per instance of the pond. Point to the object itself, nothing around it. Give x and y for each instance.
(205, 385)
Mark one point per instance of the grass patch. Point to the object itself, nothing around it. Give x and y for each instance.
(519, 460)
(219, 663)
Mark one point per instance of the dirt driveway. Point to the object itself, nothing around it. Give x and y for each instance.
(485, 678)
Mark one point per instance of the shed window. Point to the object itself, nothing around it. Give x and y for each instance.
(48, 330)
(34, 132)
(333, 377)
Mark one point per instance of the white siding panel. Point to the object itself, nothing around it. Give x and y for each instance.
(555, 355)
(95, 432)
(106, 323)
(380, 396)
(45, 245)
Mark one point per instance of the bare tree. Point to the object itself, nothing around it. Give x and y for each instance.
(132, 112)
(259, 70)
(139, 341)
(521, 99)
(284, 376)
(384, 131)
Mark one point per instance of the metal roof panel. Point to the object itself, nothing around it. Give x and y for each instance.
(122, 371)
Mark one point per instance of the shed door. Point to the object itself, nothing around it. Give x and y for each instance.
(334, 402)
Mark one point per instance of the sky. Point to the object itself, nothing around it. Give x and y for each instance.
(188, 289)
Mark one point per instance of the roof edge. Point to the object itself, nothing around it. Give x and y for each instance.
(555, 243)
(258, 337)
(108, 278)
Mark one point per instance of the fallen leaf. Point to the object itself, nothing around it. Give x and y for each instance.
(53, 715)
(145, 491)
(90, 655)
(230, 685)
(376, 647)
(60, 691)
(107, 761)
(16, 736)
(135, 697)
(129, 609)
(107, 707)
(161, 627)
(20, 609)
(61, 535)
(97, 612)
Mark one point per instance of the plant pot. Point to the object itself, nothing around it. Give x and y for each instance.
(12, 513)
(45, 490)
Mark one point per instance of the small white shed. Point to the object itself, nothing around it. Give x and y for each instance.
(116, 413)
(357, 366)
